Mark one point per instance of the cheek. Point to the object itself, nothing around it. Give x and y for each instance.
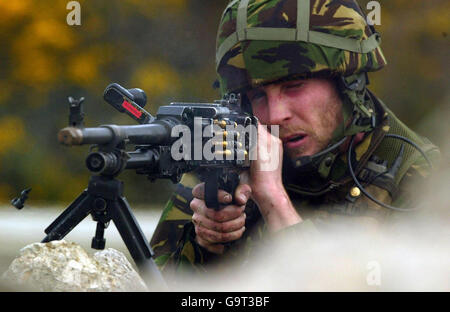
(305, 110)
(317, 112)
(330, 116)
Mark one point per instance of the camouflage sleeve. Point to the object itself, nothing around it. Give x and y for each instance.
(172, 240)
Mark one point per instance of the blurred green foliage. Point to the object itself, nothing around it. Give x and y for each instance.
(167, 48)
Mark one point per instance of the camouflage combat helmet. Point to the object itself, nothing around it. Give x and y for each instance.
(262, 41)
(265, 41)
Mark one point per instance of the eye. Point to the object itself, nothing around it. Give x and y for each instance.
(294, 85)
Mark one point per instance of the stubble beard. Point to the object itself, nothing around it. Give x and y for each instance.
(319, 136)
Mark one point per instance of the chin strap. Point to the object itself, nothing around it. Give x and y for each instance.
(306, 163)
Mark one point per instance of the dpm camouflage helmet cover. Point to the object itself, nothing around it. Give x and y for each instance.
(261, 41)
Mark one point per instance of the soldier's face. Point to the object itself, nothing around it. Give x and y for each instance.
(307, 111)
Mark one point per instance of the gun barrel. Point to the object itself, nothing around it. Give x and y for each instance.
(154, 133)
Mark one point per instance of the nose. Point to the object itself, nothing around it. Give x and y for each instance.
(278, 109)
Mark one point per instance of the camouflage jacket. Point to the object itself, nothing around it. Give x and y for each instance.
(174, 238)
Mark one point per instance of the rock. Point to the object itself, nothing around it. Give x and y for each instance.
(66, 266)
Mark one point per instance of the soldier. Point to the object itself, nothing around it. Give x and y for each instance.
(301, 65)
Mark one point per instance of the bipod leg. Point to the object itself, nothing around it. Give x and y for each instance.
(99, 241)
(74, 214)
(137, 245)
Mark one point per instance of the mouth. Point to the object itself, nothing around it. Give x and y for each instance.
(294, 140)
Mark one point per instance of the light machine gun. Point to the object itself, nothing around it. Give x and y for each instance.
(217, 141)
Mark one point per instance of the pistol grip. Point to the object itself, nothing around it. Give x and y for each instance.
(219, 179)
(211, 189)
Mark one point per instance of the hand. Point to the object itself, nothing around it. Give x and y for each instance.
(266, 183)
(265, 171)
(213, 228)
